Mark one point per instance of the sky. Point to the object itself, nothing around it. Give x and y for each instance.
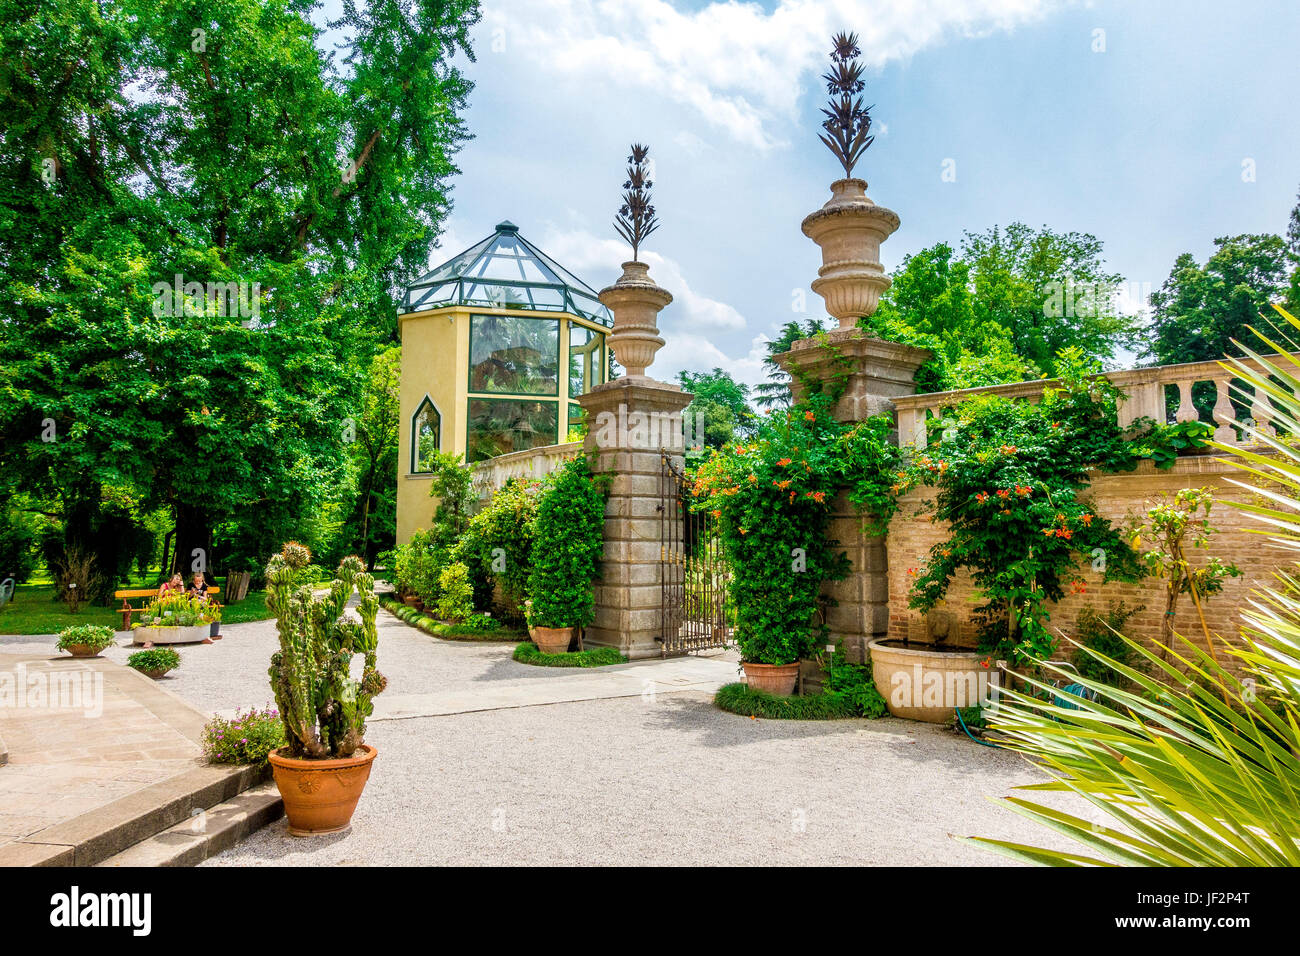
(1154, 125)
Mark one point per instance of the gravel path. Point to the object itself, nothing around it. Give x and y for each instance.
(664, 780)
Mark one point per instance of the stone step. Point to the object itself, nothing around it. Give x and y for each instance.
(205, 833)
(92, 837)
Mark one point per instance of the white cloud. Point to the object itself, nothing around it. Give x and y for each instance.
(736, 65)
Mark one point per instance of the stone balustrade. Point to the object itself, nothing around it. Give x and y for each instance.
(1147, 391)
(531, 463)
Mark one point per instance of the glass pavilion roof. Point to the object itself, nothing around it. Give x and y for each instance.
(505, 271)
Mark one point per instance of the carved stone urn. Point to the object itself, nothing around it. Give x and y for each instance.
(849, 229)
(636, 302)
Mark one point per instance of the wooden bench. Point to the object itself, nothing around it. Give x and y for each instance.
(126, 610)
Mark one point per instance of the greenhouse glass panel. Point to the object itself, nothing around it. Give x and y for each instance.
(514, 355)
(500, 426)
(586, 370)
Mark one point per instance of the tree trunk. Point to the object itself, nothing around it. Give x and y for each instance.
(193, 543)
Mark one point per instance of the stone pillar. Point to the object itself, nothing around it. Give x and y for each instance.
(632, 422)
(849, 229)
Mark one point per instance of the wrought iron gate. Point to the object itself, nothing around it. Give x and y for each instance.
(692, 572)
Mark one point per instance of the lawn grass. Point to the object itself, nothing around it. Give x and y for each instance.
(450, 632)
(741, 699)
(33, 611)
(596, 657)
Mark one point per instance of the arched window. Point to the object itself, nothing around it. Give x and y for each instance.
(426, 437)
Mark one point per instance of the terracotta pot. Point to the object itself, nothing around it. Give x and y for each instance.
(157, 673)
(320, 795)
(83, 650)
(921, 683)
(552, 640)
(773, 678)
(410, 600)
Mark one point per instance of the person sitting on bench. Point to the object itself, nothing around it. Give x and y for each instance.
(198, 587)
(175, 586)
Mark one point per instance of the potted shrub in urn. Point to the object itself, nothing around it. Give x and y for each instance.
(567, 546)
(85, 640)
(154, 663)
(325, 764)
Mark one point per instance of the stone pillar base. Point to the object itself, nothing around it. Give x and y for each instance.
(632, 423)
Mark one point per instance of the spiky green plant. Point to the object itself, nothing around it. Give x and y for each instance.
(323, 708)
(1195, 766)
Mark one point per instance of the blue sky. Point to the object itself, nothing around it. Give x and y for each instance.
(1141, 143)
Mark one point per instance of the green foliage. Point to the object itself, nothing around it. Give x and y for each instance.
(94, 636)
(456, 594)
(323, 708)
(772, 501)
(1192, 772)
(176, 610)
(740, 698)
(567, 546)
(775, 392)
(417, 565)
(1009, 478)
(498, 543)
(18, 536)
(1005, 308)
(1201, 309)
(249, 738)
(527, 653)
(853, 684)
(371, 525)
(1101, 641)
(1164, 443)
(136, 150)
(154, 659)
(722, 402)
(452, 484)
(479, 627)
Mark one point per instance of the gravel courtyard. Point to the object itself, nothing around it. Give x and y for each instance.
(623, 778)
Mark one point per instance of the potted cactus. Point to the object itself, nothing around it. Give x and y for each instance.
(325, 764)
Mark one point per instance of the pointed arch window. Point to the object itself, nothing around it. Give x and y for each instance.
(426, 437)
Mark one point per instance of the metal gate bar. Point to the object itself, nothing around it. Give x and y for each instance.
(693, 572)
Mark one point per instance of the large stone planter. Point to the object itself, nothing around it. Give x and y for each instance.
(849, 229)
(193, 634)
(921, 683)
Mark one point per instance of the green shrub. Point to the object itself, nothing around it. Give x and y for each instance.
(155, 659)
(527, 653)
(741, 699)
(854, 685)
(18, 534)
(247, 739)
(96, 636)
(417, 565)
(480, 622)
(1104, 635)
(567, 545)
(456, 594)
(497, 544)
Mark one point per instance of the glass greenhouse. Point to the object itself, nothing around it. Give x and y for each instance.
(496, 343)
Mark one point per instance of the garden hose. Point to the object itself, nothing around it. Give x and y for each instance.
(984, 743)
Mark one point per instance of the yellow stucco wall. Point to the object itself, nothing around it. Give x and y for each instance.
(435, 362)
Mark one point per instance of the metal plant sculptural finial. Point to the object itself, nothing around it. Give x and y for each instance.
(636, 218)
(847, 121)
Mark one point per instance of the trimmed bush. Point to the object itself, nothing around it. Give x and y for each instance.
(456, 593)
(740, 698)
(567, 545)
(472, 629)
(527, 653)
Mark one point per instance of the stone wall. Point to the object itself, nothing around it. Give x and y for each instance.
(1116, 496)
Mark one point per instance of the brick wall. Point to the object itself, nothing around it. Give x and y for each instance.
(1116, 496)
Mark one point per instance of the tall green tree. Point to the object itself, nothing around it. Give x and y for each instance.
(372, 525)
(722, 401)
(1200, 309)
(775, 392)
(214, 141)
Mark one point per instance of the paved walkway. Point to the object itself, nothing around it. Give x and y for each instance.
(81, 735)
(486, 761)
